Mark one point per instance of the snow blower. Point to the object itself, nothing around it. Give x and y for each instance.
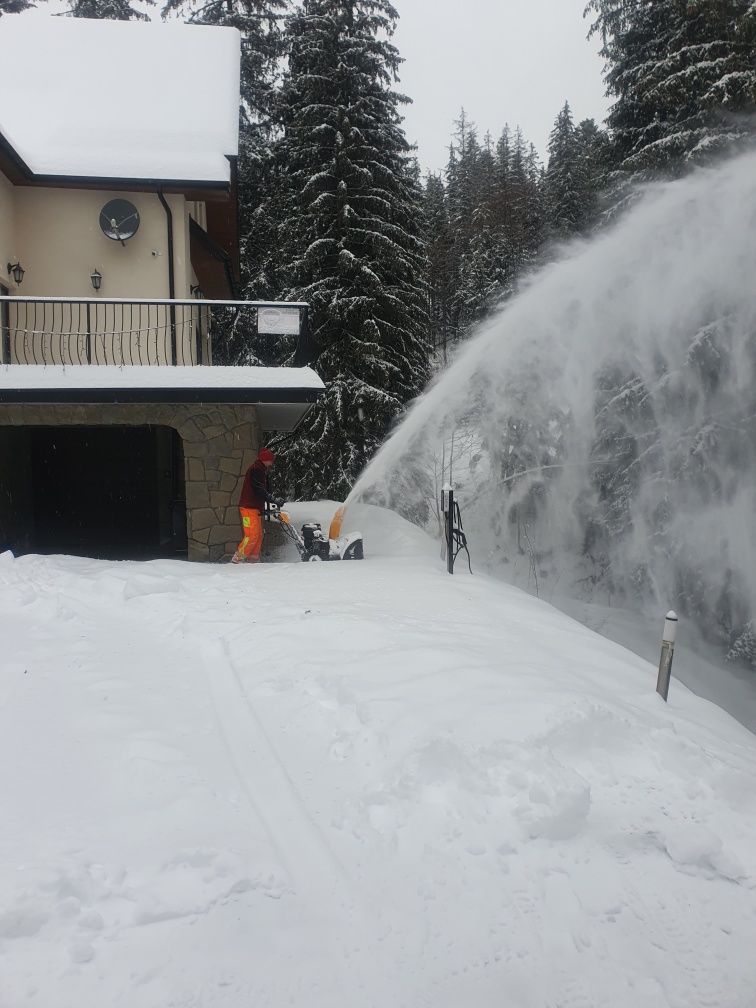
(313, 544)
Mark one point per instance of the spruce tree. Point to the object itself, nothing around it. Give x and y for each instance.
(565, 179)
(684, 78)
(463, 176)
(441, 275)
(496, 218)
(14, 6)
(526, 214)
(110, 10)
(594, 151)
(577, 165)
(351, 243)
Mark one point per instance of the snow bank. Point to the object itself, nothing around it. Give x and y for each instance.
(353, 784)
(385, 533)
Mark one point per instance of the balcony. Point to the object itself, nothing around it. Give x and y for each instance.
(125, 333)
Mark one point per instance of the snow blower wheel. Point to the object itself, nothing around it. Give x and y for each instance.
(314, 545)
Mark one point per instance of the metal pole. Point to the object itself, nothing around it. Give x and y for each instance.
(171, 277)
(5, 326)
(449, 526)
(89, 336)
(667, 654)
(305, 349)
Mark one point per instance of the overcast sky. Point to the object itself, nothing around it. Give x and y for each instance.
(510, 61)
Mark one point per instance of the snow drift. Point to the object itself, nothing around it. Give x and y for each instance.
(357, 784)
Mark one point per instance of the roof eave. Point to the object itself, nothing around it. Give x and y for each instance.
(19, 173)
(103, 396)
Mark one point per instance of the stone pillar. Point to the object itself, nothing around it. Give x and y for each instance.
(220, 443)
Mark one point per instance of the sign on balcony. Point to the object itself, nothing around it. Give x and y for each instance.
(278, 321)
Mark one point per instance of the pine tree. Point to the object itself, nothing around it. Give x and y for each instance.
(744, 648)
(594, 149)
(463, 198)
(441, 276)
(526, 215)
(110, 10)
(566, 183)
(684, 77)
(14, 6)
(577, 165)
(351, 244)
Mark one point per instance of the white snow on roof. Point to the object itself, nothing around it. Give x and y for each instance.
(120, 99)
(84, 376)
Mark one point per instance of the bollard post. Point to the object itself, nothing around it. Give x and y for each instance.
(667, 654)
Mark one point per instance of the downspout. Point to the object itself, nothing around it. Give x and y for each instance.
(171, 274)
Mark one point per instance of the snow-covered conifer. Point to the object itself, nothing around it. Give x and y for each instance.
(14, 6)
(565, 179)
(352, 244)
(577, 164)
(684, 78)
(111, 10)
(441, 272)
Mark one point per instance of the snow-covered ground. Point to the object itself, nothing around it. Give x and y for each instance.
(354, 784)
(698, 663)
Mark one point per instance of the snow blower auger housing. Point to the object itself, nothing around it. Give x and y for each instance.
(313, 544)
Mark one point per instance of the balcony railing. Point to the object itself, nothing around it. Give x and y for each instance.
(149, 332)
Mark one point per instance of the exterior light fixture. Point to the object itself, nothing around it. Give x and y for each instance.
(96, 277)
(16, 270)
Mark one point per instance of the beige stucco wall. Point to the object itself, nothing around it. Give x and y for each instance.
(7, 229)
(56, 235)
(59, 242)
(220, 443)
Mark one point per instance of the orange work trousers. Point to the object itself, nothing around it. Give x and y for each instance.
(252, 529)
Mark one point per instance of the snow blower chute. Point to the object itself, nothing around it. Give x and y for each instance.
(313, 544)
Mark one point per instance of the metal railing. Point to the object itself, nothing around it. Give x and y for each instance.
(147, 332)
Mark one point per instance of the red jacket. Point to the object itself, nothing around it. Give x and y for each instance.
(256, 489)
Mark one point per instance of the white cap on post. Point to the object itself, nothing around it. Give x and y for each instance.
(446, 490)
(670, 627)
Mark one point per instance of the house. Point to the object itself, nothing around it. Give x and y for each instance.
(123, 431)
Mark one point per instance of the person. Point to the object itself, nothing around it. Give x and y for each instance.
(254, 496)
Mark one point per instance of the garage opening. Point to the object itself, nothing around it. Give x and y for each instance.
(109, 492)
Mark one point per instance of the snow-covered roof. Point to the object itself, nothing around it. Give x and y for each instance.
(120, 99)
(110, 376)
(282, 396)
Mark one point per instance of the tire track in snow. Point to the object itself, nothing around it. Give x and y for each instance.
(352, 949)
(263, 774)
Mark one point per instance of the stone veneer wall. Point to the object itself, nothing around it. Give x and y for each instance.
(220, 442)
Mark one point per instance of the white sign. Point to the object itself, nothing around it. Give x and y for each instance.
(278, 321)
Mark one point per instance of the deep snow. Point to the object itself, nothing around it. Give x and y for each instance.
(75, 116)
(355, 784)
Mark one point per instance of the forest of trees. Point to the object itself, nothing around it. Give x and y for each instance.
(399, 267)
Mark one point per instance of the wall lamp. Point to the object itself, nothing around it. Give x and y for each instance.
(16, 270)
(96, 277)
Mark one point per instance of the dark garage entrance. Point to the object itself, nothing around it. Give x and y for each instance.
(111, 492)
